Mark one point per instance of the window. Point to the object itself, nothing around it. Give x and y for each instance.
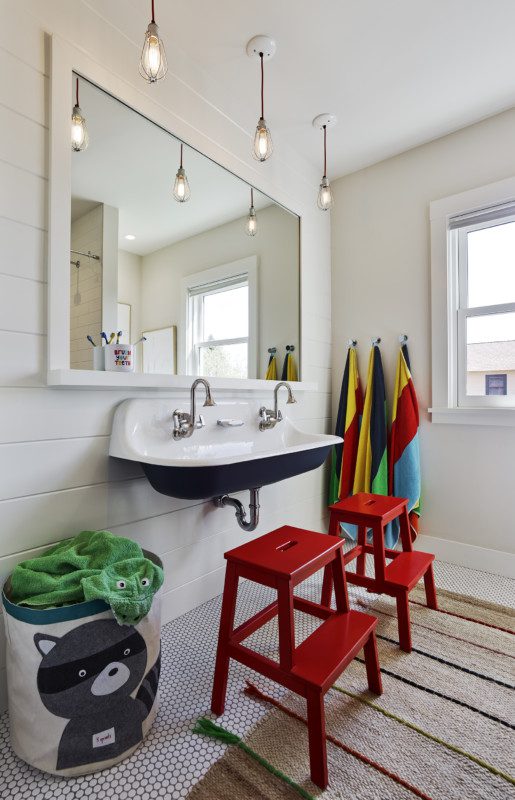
(220, 309)
(473, 306)
(220, 323)
(496, 384)
(484, 246)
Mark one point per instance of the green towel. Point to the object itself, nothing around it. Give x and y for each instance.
(92, 565)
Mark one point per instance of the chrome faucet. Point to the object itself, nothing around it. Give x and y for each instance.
(268, 418)
(183, 423)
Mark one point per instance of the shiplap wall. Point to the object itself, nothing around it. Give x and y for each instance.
(55, 475)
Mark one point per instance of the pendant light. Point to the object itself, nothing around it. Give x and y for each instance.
(181, 187)
(80, 138)
(153, 65)
(263, 47)
(325, 195)
(251, 227)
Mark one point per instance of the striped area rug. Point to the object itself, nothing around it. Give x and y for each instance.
(442, 730)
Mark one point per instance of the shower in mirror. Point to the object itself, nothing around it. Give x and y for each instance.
(180, 281)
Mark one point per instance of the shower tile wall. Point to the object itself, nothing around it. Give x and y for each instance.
(85, 287)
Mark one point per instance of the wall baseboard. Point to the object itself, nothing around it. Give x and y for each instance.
(468, 555)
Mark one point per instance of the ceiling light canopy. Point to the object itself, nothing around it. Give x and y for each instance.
(80, 138)
(325, 196)
(251, 226)
(262, 47)
(181, 187)
(153, 66)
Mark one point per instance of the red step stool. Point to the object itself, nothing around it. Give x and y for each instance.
(281, 560)
(399, 577)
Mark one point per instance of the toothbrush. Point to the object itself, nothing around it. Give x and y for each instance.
(143, 339)
(118, 337)
(110, 340)
(103, 336)
(90, 340)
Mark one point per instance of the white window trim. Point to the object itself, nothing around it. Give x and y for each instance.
(243, 266)
(444, 305)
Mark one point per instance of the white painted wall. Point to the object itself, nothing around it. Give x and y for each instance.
(85, 287)
(56, 476)
(276, 246)
(381, 287)
(129, 291)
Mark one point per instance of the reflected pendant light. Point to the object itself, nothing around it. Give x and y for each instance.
(251, 226)
(264, 47)
(80, 138)
(152, 65)
(181, 187)
(325, 195)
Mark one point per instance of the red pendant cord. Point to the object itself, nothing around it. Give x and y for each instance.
(153, 14)
(77, 92)
(262, 88)
(325, 151)
(181, 155)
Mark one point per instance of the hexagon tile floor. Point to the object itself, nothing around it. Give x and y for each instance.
(172, 758)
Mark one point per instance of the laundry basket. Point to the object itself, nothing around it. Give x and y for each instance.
(82, 689)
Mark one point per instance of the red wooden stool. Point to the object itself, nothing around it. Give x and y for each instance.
(281, 560)
(399, 577)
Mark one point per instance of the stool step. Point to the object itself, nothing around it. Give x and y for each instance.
(407, 568)
(323, 656)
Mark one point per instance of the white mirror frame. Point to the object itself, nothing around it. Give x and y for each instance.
(65, 59)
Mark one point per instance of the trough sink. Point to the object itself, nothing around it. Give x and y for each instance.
(215, 460)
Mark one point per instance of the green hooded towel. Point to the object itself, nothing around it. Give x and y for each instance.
(95, 565)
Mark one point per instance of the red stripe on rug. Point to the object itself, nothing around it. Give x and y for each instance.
(468, 619)
(439, 633)
(253, 691)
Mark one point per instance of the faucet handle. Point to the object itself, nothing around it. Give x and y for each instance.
(200, 422)
(267, 418)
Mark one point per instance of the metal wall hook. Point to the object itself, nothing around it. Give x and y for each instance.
(272, 350)
(403, 338)
(376, 340)
(290, 348)
(352, 342)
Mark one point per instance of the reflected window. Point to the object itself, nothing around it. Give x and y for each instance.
(219, 319)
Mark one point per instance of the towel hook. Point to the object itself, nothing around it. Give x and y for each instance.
(375, 340)
(352, 342)
(403, 338)
(290, 348)
(272, 350)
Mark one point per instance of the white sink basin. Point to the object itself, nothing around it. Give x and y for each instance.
(215, 460)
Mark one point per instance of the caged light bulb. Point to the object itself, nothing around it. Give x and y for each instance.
(263, 146)
(181, 187)
(251, 226)
(325, 195)
(79, 133)
(153, 65)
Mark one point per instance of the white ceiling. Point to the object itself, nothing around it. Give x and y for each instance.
(397, 73)
(131, 164)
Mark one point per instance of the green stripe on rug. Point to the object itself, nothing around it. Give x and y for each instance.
(208, 728)
(428, 735)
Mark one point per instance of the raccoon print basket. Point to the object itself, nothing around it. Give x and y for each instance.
(82, 689)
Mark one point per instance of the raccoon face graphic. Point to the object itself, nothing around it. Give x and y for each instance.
(89, 669)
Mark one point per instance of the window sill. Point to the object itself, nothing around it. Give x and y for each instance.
(474, 416)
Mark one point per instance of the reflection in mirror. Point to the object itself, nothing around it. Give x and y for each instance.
(187, 287)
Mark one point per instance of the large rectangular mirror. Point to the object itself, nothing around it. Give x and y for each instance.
(190, 290)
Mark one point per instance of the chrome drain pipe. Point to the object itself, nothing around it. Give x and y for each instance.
(241, 514)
